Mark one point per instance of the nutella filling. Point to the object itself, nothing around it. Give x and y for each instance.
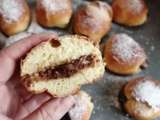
(65, 70)
(55, 43)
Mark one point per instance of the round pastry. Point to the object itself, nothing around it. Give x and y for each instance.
(123, 55)
(93, 19)
(14, 16)
(132, 13)
(61, 66)
(142, 98)
(83, 107)
(54, 13)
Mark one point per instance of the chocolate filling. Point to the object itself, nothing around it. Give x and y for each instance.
(55, 43)
(65, 70)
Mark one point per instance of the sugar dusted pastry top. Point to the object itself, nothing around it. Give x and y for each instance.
(83, 107)
(95, 10)
(78, 110)
(134, 5)
(53, 5)
(11, 10)
(93, 19)
(148, 92)
(130, 12)
(126, 49)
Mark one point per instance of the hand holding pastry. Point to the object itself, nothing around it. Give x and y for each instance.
(18, 104)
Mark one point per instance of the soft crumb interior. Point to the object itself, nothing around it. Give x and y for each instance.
(65, 86)
(45, 55)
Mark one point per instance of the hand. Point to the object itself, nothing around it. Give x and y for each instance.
(15, 102)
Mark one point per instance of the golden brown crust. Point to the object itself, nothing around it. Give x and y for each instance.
(11, 28)
(140, 111)
(130, 86)
(93, 19)
(53, 18)
(128, 89)
(127, 14)
(137, 109)
(116, 64)
(75, 91)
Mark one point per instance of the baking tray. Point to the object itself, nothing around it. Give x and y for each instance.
(105, 92)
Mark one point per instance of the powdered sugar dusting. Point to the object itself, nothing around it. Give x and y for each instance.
(149, 92)
(54, 5)
(125, 48)
(11, 10)
(134, 5)
(76, 113)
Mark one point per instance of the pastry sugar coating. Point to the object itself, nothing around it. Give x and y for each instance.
(142, 98)
(130, 12)
(54, 13)
(61, 66)
(14, 16)
(123, 55)
(83, 107)
(93, 19)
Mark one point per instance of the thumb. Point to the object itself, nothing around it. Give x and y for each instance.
(52, 110)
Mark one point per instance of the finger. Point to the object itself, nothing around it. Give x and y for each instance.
(23, 93)
(31, 105)
(20, 48)
(52, 110)
(9, 55)
(19, 88)
(3, 117)
(9, 101)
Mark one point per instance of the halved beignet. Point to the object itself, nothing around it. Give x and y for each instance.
(14, 16)
(142, 98)
(130, 12)
(83, 107)
(93, 19)
(54, 13)
(61, 66)
(123, 55)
